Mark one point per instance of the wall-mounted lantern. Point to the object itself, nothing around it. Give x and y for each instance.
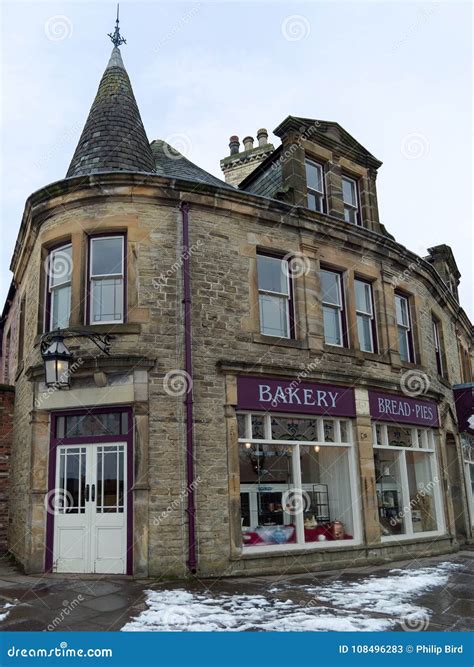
(58, 359)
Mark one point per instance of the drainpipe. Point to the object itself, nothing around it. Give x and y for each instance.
(188, 401)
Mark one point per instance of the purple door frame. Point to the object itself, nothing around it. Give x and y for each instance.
(90, 440)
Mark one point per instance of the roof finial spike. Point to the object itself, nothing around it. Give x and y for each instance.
(116, 37)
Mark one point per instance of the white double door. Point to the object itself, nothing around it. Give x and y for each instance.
(90, 509)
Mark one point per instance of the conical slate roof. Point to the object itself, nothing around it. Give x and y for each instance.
(113, 138)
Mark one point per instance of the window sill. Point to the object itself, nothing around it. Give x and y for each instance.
(282, 342)
(412, 539)
(301, 549)
(124, 328)
(335, 349)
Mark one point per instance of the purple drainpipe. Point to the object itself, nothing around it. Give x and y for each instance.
(188, 401)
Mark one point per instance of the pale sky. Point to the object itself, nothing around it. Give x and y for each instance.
(397, 76)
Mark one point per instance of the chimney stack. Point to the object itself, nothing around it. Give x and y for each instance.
(248, 143)
(239, 164)
(262, 137)
(234, 144)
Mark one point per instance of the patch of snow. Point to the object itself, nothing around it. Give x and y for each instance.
(372, 604)
(391, 595)
(180, 611)
(3, 613)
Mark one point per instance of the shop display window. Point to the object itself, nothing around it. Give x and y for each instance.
(389, 492)
(297, 487)
(407, 480)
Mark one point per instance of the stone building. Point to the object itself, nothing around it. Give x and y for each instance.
(279, 390)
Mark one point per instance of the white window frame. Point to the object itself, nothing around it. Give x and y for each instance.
(320, 196)
(349, 206)
(369, 315)
(297, 483)
(427, 444)
(53, 289)
(103, 276)
(339, 307)
(281, 295)
(467, 446)
(437, 347)
(405, 327)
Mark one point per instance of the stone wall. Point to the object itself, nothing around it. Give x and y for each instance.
(7, 397)
(226, 229)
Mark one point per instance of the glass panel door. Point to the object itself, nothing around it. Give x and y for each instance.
(110, 478)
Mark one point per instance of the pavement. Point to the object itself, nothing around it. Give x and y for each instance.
(88, 603)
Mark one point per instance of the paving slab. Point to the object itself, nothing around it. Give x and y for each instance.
(89, 603)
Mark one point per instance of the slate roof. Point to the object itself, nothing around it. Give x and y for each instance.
(113, 138)
(170, 162)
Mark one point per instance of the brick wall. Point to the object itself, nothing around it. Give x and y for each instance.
(6, 425)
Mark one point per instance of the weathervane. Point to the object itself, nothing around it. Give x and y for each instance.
(116, 38)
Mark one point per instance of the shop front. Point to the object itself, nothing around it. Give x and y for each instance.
(408, 482)
(297, 464)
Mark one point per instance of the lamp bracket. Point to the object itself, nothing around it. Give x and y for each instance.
(102, 341)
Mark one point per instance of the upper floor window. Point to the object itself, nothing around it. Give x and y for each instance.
(404, 329)
(333, 308)
(274, 296)
(315, 186)
(21, 330)
(365, 316)
(437, 346)
(58, 302)
(106, 279)
(350, 196)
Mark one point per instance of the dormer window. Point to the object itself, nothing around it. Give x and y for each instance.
(350, 196)
(315, 186)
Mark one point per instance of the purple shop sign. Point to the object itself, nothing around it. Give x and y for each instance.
(402, 410)
(273, 394)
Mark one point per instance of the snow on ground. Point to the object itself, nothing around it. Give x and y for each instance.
(3, 612)
(371, 604)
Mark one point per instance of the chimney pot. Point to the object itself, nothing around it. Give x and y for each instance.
(234, 144)
(248, 143)
(262, 136)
